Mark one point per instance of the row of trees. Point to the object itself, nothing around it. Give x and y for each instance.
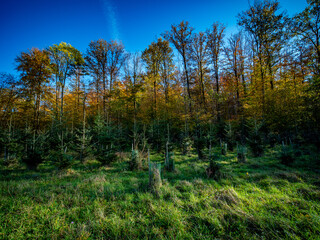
(203, 90)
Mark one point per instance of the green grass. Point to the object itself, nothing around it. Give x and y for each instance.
(260, 199)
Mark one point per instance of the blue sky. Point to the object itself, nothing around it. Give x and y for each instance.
(40, 23)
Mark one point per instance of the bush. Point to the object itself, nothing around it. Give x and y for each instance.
(214, 169)
(61, 159)
(106, 157)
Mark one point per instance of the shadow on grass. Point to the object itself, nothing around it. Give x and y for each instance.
(22, 174)
(117, 181)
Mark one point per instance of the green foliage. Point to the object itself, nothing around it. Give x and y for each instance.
(187, 144)
(241, 153)
(242, 131)
(158, 135)
(230, 136)
(312, 100)
(13, 152)
(224, 148)
(34, 148)
(33, 158)
(214, 169)
(199, 141)
(58, 137)
(287, 154)
(220, 132)
(64, 57)
(272, 139)
(12, 147)
(255, 140)
(83, 143)
(59, 144)
(107, 156)
(169, 162)
(104, 139)
(61, 159)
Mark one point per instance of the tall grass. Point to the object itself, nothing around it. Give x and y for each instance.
(259, 199)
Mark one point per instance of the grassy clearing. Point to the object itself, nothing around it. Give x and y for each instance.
(260, 199)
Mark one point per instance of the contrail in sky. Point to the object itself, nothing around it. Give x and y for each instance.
(110, 15)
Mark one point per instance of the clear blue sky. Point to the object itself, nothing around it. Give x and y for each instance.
(40, 23)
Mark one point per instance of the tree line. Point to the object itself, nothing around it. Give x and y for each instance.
(255, 87)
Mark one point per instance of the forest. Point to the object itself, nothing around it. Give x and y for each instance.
(202, 135)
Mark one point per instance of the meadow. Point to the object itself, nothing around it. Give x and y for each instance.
(258, 199)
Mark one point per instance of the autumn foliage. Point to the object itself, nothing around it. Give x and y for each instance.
(257, 87)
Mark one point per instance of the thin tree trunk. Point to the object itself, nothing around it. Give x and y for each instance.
(83, 129)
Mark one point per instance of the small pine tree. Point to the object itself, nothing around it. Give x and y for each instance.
(103, 137)
(255, 139)
(60, 157)
(287, 154)
(214, 169)
(229, 134)
(199, 142)
(242, 131)
(241, 153)
(34, 149)
(83, 144)
(220, 130)
(13, 149)
(107, 155)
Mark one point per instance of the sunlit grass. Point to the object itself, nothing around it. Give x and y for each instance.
(260, 199)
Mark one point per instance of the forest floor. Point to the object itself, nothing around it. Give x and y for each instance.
(259, 199)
